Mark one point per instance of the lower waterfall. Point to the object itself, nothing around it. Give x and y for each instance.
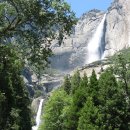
(129, 36)
(38, 119)
(95, 47)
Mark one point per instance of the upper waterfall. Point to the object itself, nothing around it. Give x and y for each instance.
(95, 47)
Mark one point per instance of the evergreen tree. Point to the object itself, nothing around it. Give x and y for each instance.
(93, 87)
(89, 117)
(123, 108)
(112, 103)
(122, 69)
(2, 101)
(69, 116)
(14, 111)
(75, 81)
(93, 84)
(67, 85)
(108, 92)
(80, 96)
(78, 100)
(84, 81)
(95, 105)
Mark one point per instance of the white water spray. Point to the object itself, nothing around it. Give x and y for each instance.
(38, 120)
(129, 36)
(94, 48)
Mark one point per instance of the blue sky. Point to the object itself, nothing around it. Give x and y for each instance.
(82, 6)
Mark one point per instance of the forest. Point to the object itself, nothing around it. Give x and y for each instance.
(91, 103)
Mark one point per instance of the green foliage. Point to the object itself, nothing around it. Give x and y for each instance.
(69, 113)
(122, 69)
(93, 88)
(75, 81)
(89, 117)
(32, 25)
(93, 84)
(96, 104)
(108, 85)
(84, 81)
(79, 99)
(67, 85)
(125, 52)
(69, 116)
(14, 110)
(80, 96)
(2, 97)
(108, 100)
(38, 93)
(53, 117)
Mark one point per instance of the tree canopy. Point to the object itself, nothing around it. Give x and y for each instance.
(27, 29)
(15, 111)
(32, 25)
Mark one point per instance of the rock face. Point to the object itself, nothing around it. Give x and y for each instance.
(73, 53)
(116, 36)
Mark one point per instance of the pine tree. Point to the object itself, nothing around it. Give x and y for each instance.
(93, 87)
(80, 95)
(122, 69)
(67, 85)
(89, 117)
(84, 81)
(75, 81)
(112, 103)
(15, 108)
(69, 115)
(79, 98)
(93, 84)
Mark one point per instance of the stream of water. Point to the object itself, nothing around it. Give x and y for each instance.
(38, 117)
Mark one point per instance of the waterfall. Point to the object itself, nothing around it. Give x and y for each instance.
(129, 36)
(38, 120)
(95, 47)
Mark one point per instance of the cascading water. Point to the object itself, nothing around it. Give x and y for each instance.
(129, 36)
(38, 120)
(95, 47)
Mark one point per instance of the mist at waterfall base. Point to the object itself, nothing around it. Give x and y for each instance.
(95, 48)
(38, 119)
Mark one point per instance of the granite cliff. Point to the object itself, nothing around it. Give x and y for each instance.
(73, 53)
(115, 36)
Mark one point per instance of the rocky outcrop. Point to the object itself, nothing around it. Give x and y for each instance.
(116, 36)
(35, 104)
